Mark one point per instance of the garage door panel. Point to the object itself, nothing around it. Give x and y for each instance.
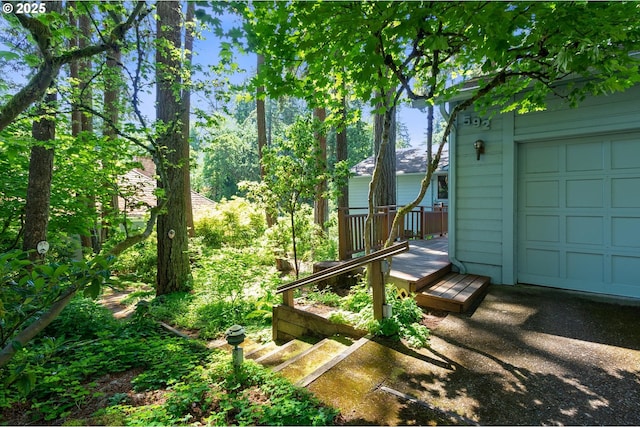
(623, 191)
(625, 232)
(543, 262)
(625, 154)
(543, 228)
(625, 270)
(542, 194)
(579, 222)
(585, 230)
(585, 193)
(585, 157)
(585, 266)
(542, 159)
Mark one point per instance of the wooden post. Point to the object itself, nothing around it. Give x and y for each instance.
(287, 298)
(423, 223)
(376, 281)
(343, 232)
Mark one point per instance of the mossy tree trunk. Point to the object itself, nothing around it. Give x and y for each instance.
(40, 175)
(174, 273)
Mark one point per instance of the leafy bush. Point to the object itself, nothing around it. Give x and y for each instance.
(29, 289)
(325, 297)
(404, 322)
(236, 223)
(82, 319)
(231, 285)
(139, 262)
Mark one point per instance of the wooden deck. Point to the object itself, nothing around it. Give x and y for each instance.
(425, 262)
(425, 270)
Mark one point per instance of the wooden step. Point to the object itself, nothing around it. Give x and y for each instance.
(454, 292)
(413, 283)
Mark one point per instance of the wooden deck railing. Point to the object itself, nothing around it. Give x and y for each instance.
(419, 223)
(376, 280)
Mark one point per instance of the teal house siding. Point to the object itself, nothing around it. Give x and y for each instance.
(479, 198)
(555, 198)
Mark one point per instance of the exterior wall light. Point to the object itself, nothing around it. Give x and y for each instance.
(479, 146)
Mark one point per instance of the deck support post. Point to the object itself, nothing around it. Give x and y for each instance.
(376, 281)
(287, 298)
(343, 237)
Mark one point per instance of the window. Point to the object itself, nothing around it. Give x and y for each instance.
(443, 186)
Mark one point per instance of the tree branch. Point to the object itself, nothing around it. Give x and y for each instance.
(49, 69)
(37, 326)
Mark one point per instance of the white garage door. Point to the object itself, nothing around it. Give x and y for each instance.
(579, 214)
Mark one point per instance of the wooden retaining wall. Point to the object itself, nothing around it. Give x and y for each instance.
(290, 323)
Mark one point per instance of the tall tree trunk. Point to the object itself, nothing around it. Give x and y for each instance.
(342, 154)
(91, 240)
(112, 113)
(40, 175)
(189, 33)
(382, 187)
(74, 74)
(261, 120)
(321, 203)
(174, 272)
(385, 124)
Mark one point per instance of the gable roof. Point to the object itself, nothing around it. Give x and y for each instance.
(408, 160)
(141, 195)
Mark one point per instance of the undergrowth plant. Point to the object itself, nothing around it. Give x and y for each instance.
(236, 222)
(231, 285)
(357, 309)
(194, 384)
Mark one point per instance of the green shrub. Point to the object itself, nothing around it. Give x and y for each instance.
(231, 285)
(359, 298)
(82, 319)
(404, 322)
(140, 262)
(325, 297)
(236, 223)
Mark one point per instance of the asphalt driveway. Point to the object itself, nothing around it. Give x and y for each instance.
(525, 356)
(532, 355)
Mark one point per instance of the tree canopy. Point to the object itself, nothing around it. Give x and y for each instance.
(431, 51)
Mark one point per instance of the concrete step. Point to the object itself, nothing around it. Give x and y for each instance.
(329, 364)
(281, 353)
(310, 360)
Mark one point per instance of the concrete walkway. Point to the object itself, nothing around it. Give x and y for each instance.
(526, 356)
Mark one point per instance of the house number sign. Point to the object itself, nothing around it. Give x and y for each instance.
(476, 122)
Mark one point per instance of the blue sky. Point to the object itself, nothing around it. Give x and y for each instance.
(206, 51)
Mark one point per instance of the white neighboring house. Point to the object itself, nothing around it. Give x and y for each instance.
(411, 166)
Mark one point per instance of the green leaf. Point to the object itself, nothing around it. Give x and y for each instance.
(26, 382)
(62, 269)
(93, 290)
(8, 56)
